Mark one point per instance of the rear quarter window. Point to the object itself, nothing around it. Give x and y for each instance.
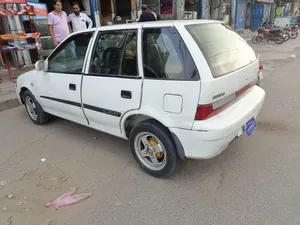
(224, 50)
(165, 55)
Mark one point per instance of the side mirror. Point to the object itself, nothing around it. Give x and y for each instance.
(41, 65)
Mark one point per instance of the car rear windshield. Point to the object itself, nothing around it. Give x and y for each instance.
(224, 49)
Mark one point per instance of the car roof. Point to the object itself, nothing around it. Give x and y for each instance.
(150, 24)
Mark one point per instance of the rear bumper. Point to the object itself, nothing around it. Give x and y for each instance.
(260, 79)
(210, 137)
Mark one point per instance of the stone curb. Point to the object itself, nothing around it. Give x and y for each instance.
(248, 39)
(9, 104)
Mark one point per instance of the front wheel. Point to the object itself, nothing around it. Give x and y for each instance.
(278, 39)
(34, 109)
(256, 39)
(153, 148)
(293, 34)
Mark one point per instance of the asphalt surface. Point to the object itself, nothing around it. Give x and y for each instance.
(255, 181)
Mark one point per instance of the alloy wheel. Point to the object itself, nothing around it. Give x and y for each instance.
(31, 108)
(150, 151)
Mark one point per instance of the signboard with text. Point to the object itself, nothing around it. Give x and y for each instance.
(13, 1)
(166, 7)
(40, 11)
(266, 1)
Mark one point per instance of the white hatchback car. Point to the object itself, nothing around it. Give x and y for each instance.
(175, 89)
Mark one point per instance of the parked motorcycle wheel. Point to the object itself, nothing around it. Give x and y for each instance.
(256, 39)
(287, 36)
(278, 39)
(293, 34)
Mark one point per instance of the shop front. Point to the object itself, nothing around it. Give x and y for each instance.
(125, 10)
(267, 9)
(192, 9)
(19, 38)
(261, 12)
(210, 9)
(241, 14)
(22, 19)
(166, 9)
(257, 15)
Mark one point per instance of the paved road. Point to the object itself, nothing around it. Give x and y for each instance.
(255, 181)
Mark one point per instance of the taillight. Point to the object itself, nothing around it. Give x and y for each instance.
(207, 111)
(261, 67)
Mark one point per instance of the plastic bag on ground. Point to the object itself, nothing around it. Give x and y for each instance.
(68, 199)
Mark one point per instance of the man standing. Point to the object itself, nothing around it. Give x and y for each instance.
(79, 20)
(154, 14)
(58, 23)
(146, 15)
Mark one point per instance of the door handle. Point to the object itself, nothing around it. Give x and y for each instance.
(126, 94)
(72, 87)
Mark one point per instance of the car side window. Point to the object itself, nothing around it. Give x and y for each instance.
(69, 57)
(165, 55)
(129, 62)
(115, 53)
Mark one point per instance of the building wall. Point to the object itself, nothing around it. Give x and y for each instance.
(205, 12)
(87, 5)
(179, 5)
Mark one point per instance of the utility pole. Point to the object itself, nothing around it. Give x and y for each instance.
(232, 13)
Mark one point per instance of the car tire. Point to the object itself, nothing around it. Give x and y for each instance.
(154, 149)
(34, 109)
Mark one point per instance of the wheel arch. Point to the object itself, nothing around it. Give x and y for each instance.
(130, 120)
(25, 88)
(27, 81)
(22, 92)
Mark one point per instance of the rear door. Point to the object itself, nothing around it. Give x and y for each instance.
(112, 84)
(171, 80)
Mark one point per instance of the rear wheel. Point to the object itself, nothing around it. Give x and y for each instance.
(278, 39)
(154, 149)
(293, 34)
(287, 36)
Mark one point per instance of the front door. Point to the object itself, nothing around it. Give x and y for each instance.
(112, 84)
(59, 86)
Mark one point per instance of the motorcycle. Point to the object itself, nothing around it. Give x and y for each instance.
(291, 30)
(285, 30)
(295, 28)
(276, 35)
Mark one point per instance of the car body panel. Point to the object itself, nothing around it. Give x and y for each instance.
(97, 101)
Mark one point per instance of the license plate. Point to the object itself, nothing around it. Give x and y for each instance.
(250, 127)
